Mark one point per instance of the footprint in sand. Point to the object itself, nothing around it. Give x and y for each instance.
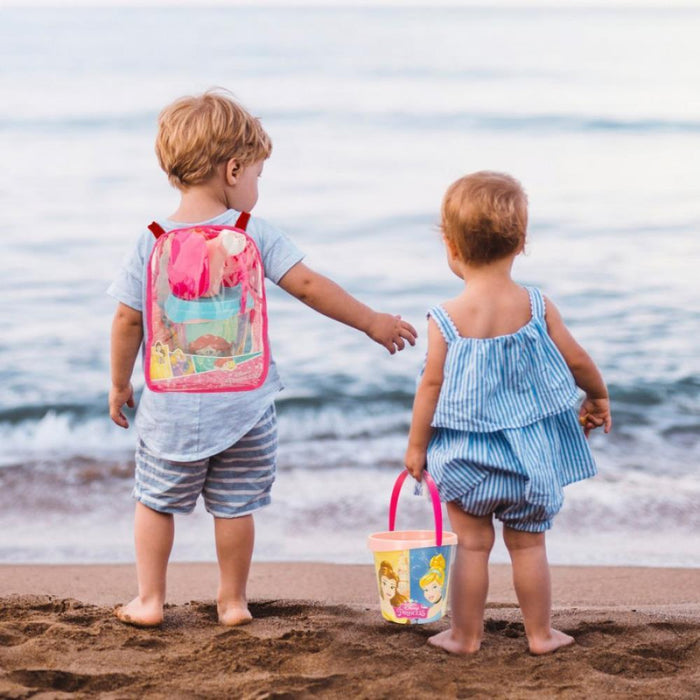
(306, 640)
(512, 630)
(34, 629)
(82, 619)
(630, 666)
(10, 636)
(149, 643)
(49, 679)
(304, 686)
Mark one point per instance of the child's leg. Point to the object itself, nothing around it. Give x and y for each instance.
(234, 550)
(153, 536)
(528, 555)
(239, 480)
(470, 582)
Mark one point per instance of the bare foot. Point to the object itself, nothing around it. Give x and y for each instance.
(140, 614)
(554, 641)
(233, 614)
(447, 641)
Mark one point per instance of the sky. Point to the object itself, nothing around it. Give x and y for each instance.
(330, 3)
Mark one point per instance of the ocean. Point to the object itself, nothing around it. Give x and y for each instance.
(373, 112)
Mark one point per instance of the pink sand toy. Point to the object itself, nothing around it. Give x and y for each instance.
(206, 314)
(413, 566)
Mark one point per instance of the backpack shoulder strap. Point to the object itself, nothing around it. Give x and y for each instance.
(243, 220)
(156, 229)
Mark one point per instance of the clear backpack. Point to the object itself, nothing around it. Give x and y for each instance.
(206, 315)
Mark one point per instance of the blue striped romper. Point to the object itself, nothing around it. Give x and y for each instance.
(506, 433)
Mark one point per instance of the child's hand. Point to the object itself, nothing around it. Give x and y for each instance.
(391, 331)
(117, 399)
(415, 462)
(595, 413)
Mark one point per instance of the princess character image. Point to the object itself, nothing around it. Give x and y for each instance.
(389, 596)
(432, 584)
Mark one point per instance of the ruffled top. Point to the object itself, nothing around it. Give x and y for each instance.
(508, 381)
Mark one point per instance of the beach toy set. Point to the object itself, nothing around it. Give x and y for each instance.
(413, 566)
(206, 313)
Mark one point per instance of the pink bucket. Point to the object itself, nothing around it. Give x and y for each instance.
(413, 566)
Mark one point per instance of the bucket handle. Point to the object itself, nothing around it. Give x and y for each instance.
(437, 510)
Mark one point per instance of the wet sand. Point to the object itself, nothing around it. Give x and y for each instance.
(318, 632)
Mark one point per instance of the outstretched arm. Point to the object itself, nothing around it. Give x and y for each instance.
(595, 410)
(330, 299)
(127, 334)
(425, 402)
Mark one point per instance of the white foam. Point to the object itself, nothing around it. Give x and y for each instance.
(58, 437)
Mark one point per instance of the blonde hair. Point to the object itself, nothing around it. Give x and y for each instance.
(436, 572)
(195, 134)
(485, 216)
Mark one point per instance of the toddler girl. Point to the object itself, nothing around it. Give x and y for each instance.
(494, 416)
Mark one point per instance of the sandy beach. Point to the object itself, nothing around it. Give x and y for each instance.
(318, 632)
(373, 109)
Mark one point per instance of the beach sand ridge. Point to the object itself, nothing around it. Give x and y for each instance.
(56, 647)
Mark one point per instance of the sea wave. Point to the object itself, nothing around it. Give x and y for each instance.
(331, 397)
(416, 120)
(656, 427)
(637, 520)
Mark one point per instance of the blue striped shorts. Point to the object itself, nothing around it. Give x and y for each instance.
(504, 495)
(518, 474)
(233, 483)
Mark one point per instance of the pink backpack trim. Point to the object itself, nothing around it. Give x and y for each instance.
(201, 381)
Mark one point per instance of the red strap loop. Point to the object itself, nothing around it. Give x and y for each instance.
(156, 229)
(243, 220)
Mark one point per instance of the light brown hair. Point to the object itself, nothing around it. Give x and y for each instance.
(196, 134)
(484, 215)
(387, 571)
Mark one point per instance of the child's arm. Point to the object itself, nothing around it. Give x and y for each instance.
(425, 402)
(595, 409)
(330, 299)
(127, 334)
